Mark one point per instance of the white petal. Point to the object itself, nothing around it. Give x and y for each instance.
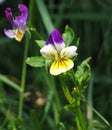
(49, 52)
(59, 46)
(68, 52)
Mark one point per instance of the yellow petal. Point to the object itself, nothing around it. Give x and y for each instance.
(61, 65)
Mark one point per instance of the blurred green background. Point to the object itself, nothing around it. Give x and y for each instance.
(91, 20)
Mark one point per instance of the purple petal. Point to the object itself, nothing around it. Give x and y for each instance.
(9, 33)
(9, 16)
(20, 21)
(54, 37)
(24, 15)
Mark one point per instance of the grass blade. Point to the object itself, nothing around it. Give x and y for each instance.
(45, 15)
(9, 82)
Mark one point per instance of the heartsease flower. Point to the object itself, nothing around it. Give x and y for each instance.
(56, 52)
(18, 24)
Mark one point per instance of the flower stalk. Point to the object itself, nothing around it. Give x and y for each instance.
(23, 78)
(80, 122)
(65, 89)
(80, 119)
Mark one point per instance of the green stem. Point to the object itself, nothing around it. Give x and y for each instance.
(80, 122)
(56, 103)
(98, 114)
(55, 92)
(65, 89)
(52, 95)
(23, 78)
(89, 107)
(80, 119)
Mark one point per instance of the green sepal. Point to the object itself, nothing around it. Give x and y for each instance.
(36, 61)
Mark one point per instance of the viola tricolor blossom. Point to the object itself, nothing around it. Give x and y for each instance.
(56, 52)
(18, 24)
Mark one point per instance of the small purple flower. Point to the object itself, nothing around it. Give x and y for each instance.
(18, 24)
(56, 52)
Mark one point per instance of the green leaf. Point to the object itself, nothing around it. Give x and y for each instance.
(83, 73)
(40, 43)
(68, 35)
(36, 61)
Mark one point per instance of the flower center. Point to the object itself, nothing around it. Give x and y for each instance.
(58, 56)
(19, 35)
(61, 61)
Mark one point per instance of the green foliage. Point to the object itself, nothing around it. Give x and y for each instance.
(40, 43)
(83, 74)
(17, 125)
(36, 61)
(68, 35)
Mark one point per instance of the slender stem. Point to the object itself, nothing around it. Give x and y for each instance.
(52, 93)
(56, 103)
(80, 117)
(55, 92)
(98, 114)
(65, 89)
(78, 122)
(89, 107)
(23, 78)
(24, 67)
